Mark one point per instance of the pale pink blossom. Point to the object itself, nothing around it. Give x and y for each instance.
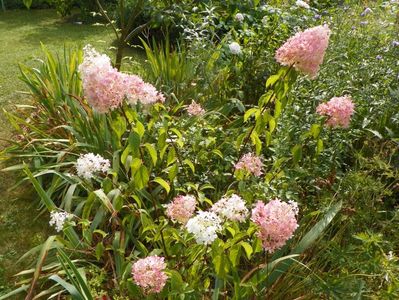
(338, 111)
(181, 208)
(195, 109)
(305, 50)
(148, 273)
(251, 163)
(276, 223)
(105, 88)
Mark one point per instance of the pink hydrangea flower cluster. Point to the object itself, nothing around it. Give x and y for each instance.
(148, 273)
(276, 222)
(195, 109)
(105, 88)
(231, 208)
(250, 163)
(181, 208)
(305, 50)
(338, 110)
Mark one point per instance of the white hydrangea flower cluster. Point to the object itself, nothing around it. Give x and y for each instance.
(89, 164)
(231, 208)
(239, 17)
(204, 226)
(235, 48)
(58, 218)
(302, 4)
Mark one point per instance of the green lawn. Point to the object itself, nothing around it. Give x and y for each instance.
(21, 33)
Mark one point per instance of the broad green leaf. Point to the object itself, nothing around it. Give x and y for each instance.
(140, 129)
(134, 143)
(141, 177)
(250, 112)
(315, 130)
(152, 152)
(272, 80)
(119, 126)
(173, 172)
(256, 141)
(163, 183)
(248, 249)
(171, 156)
(190, 164)
(272, 124)
(296, 153)
(319, 147)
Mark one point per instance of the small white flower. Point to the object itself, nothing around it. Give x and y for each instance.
(204, 226)
(57, 219)
(231, 208)
(89, 164)
(294, 206)
(235, 48)
(239, 17)
(302, 4)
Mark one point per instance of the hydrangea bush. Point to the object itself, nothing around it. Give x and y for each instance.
(174, 197)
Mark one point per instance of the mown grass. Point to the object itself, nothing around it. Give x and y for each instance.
(21, 35)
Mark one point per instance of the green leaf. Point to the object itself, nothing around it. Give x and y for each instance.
(272, 80)
(68, 287)
(272, 124)
(119, 126)
(141, 177)
(221, 265)
(140, 129)
(190, 164)
(176, 281)
(135, 165)
(173, 172)
(152, 152)
(234, 255)
(171, 156)
(48, 244)
(99, 250)
(319, 147)
(134, 143)
(219, 283)
(163, 183)
(248, 249)
(27, 3)
(42, 193)
(105, 200)
(315, 130)
(256, 141)
(250, 112)
(296, 153)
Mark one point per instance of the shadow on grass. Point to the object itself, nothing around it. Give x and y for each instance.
(21, 228)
